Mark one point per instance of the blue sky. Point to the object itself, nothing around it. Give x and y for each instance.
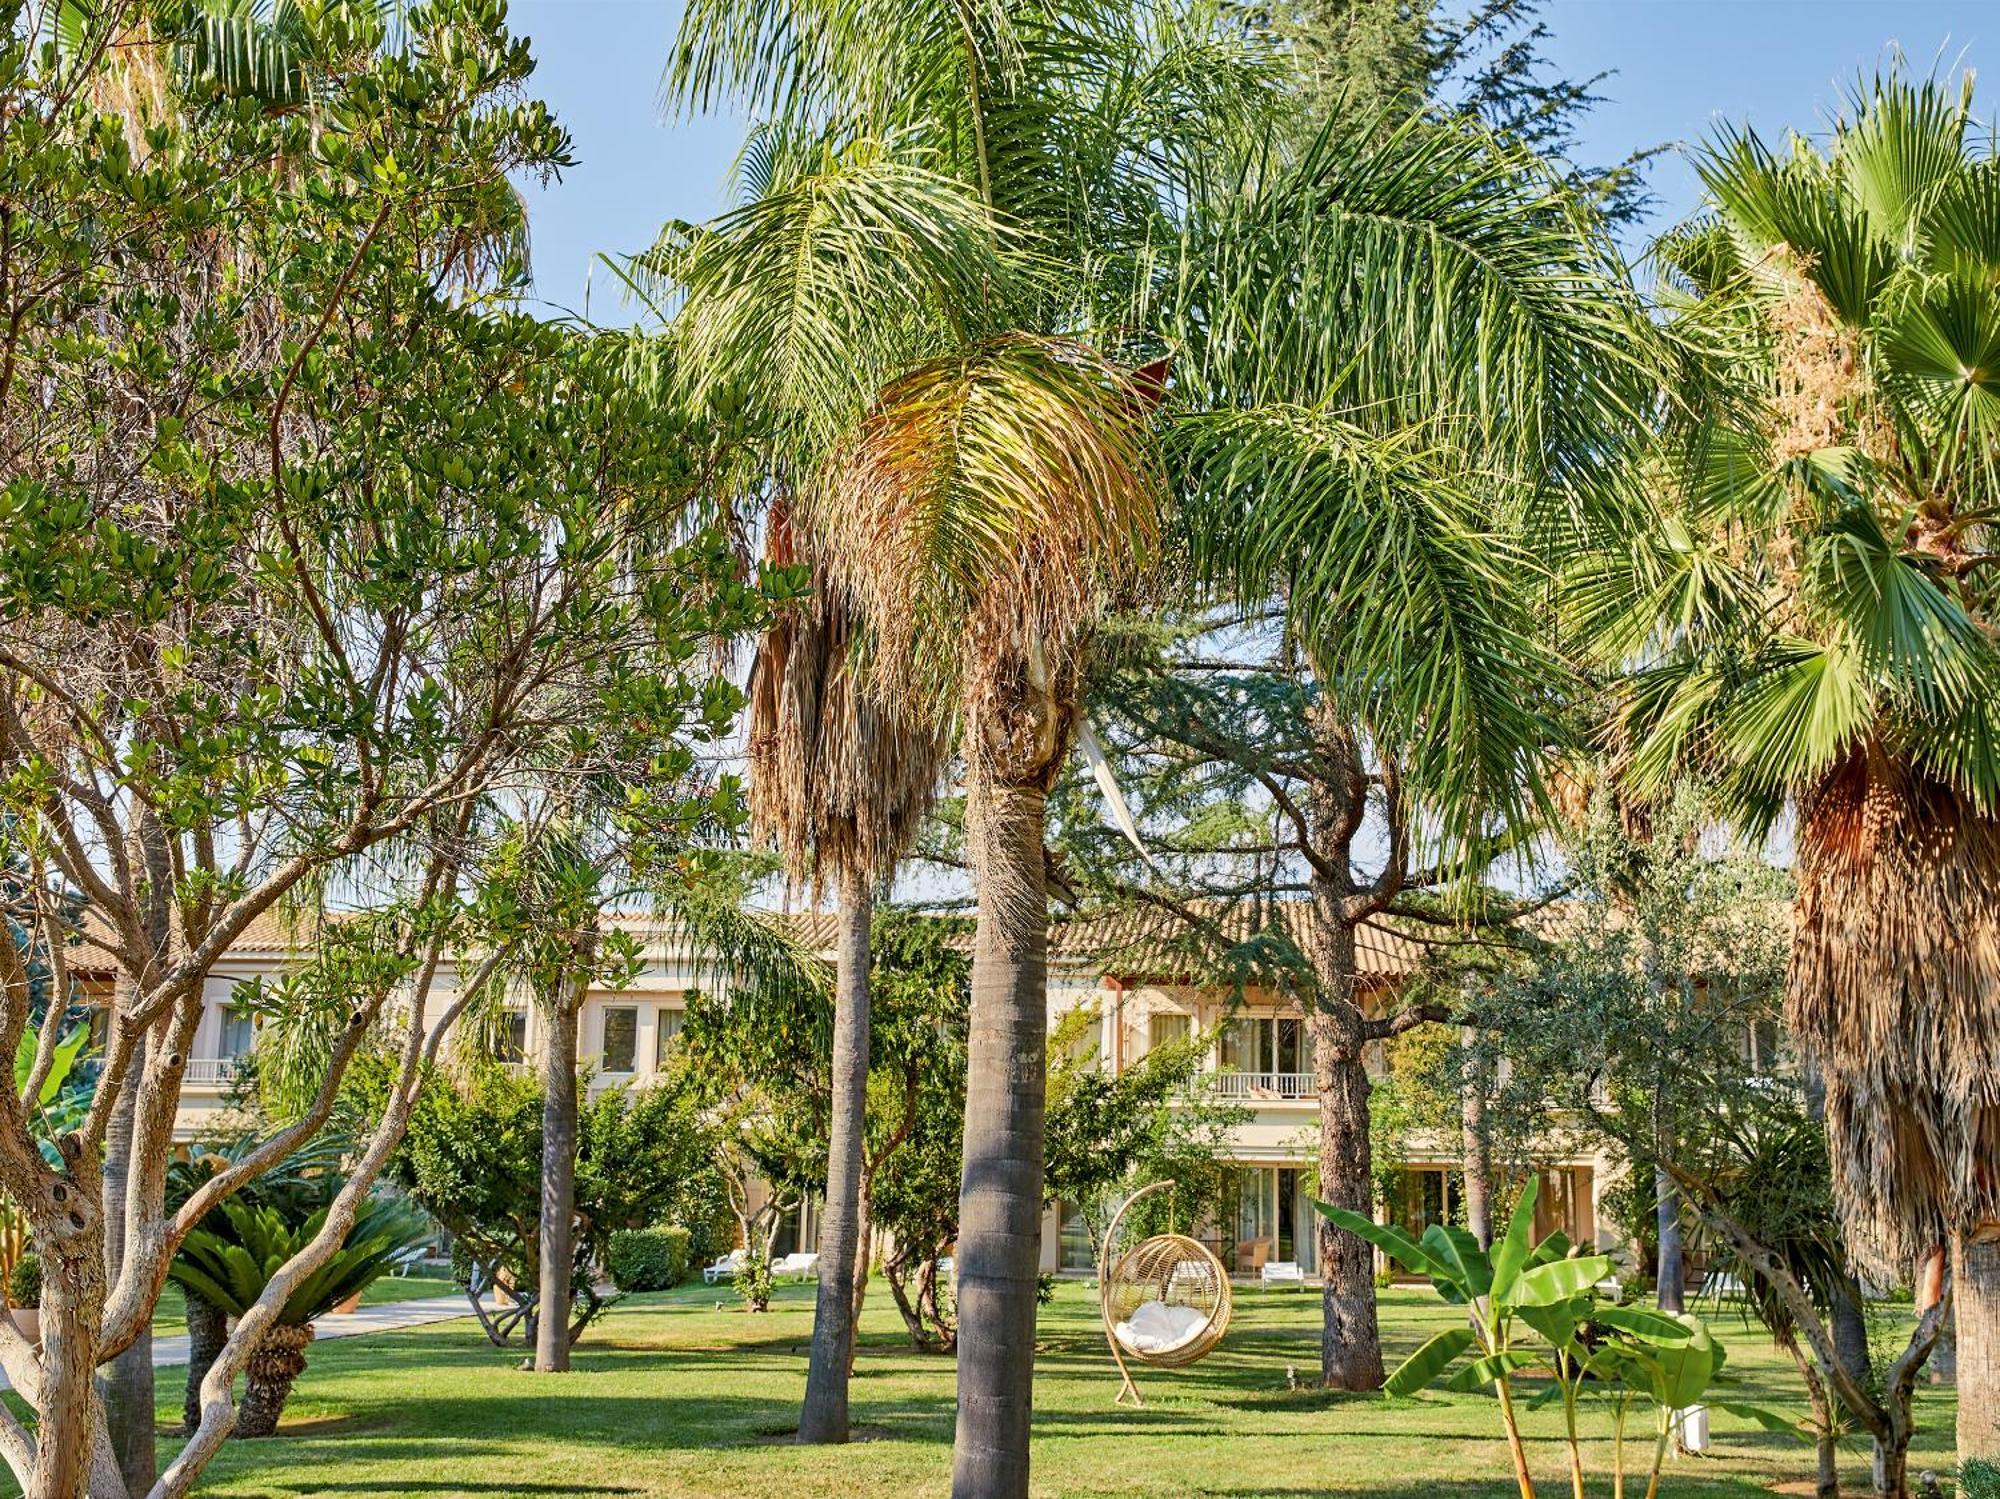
(1677, 65)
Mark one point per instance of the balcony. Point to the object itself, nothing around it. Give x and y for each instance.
(1246, 1087)
(210, 1072)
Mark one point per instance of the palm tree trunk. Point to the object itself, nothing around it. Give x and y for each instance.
(863, 1232)
(558, 1223)
(1000, 1189)
(1975, 1282)
(1672, 1278)
(824, 1418)
(1478, 1150)
(268, 1378)
(208, 1330)
(1350, 1343)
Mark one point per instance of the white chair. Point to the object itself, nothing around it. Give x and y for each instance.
(1612, 1289)
(797, 1264)
(1283, 1273)
(724, 1268)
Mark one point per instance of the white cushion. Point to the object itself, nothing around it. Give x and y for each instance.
(1283, 1270)
(1155, 1327)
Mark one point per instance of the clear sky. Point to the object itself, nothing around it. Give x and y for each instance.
(1676, 65)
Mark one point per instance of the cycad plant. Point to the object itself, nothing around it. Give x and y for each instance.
(241, 1247)
(1808, 606)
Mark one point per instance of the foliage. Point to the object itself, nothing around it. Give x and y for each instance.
(228, 1261)
(473, 1158)
(648, 1259)
(24, 1282)
(753, 1280)
(1548, 1290)
(1979, 1479)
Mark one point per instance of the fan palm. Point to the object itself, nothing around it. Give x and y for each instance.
(241, 1247)
(839, 781)
(1811, 612)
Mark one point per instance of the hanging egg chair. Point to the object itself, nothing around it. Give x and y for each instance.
(1165, 1301)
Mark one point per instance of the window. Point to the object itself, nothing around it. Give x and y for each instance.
(510, 1040)
(1166, 1028)
(239, 1032)
(667, 1031)
(621, 1038)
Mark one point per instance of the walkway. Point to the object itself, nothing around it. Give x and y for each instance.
(383, 1316)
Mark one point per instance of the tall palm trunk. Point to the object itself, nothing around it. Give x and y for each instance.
(824, 1418)
(1477, 1147)
(558, 1225)
(1976, 1285)
(1672, 1264)
(1350, 1343)
(1000, 1190)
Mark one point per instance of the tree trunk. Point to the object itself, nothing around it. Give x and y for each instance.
(862, 1254)
(67, 1410)
(1000, 1190)
(1889, 1466)
(1672, 1277)
(208, 1330)
(1478, 1167)
(1350, 1344)
(558, 1225)
(1847, 1323)
(1976, 1311)
(824, 1417)
(268, 1378)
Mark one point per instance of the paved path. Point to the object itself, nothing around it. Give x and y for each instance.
(383, 1316)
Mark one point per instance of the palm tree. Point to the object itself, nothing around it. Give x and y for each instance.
(1406, 355)
(839, 781)
(242, 1246)
(1810, 604)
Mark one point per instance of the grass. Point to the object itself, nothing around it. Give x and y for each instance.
(672, 1397)
(170, 1318)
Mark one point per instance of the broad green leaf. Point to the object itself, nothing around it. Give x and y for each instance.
(1480, 1373)
(1429, 1361)
(1555, 1247)
(1545, 1285)
(1557, 1322)
(1459, 1258)
(1769, 1420)
(1684, 1371)
(1652, 1327)
(1515, 1246)
(1386, 1237)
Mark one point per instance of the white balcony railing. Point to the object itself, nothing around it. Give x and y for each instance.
(210, 1070)
(1247, 1085)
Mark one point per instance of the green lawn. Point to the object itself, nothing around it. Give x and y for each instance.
(670, 1396)
(170, 1317)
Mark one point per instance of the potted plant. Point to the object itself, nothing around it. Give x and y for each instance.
(24, 1295)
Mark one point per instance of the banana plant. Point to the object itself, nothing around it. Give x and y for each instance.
(1575, 1331)
(1504, 1290)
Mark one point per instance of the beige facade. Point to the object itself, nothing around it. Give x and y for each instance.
(1260, 1057)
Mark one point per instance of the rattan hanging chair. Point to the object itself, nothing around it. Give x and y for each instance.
(1165, 1301)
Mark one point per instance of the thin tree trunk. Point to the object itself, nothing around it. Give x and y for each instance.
(1478, 1167)
(1672, 1277)
(824, 1417)
(67, 1410)
(1000, 1190)
(1976, 1283)
(128, 1380)
(208, 1330)
(558, 1225)
(1847, 1323)
(863, 1232)
(1350, 1347)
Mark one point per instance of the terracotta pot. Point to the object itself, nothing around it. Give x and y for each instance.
(348, 1306)
(29, 1321)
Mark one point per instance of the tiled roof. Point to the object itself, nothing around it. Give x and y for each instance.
(1142, 942)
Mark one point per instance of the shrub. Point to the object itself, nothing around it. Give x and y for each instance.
(648, 1259)
(753, 1281)
(24, 1282)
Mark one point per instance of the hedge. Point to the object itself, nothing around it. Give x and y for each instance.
(648, 1259)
